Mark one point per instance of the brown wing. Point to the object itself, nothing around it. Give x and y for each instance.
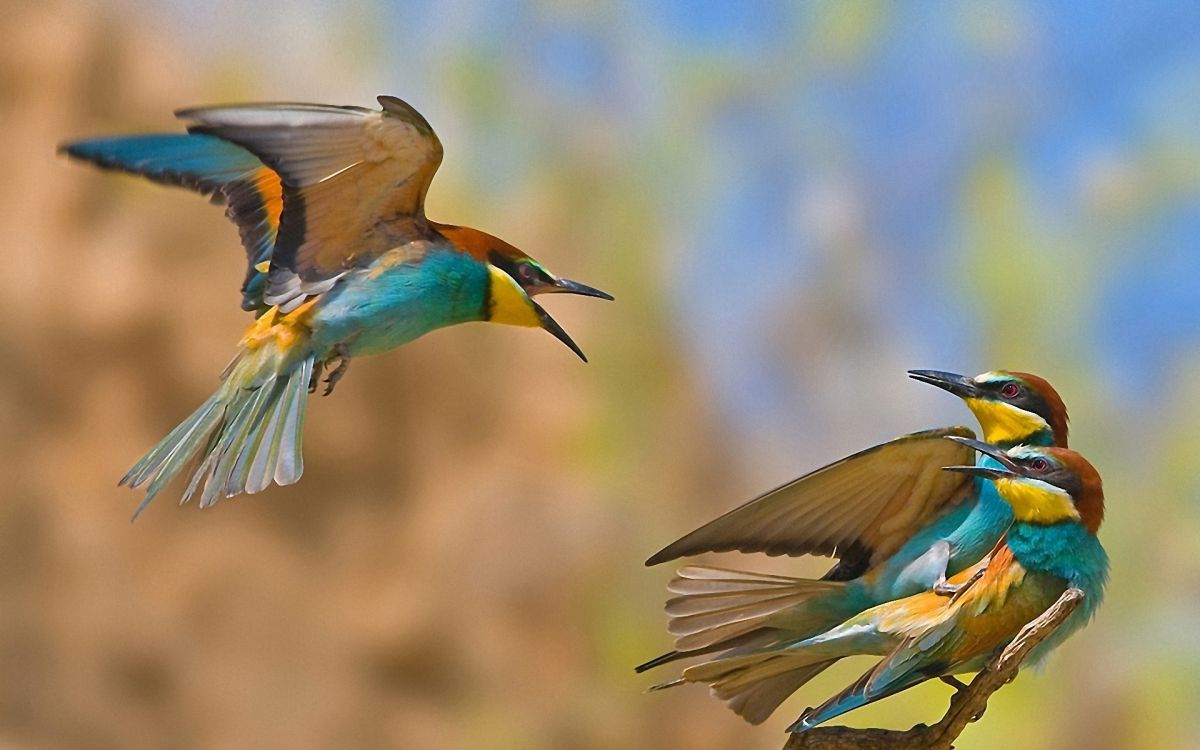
(349, 175)
(867, 504)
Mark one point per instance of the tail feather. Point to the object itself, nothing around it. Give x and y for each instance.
(717, 605)
(246, 435)
(265, 457)
(754, 684)
(700, 579)
(189, 431)
(728, 676)
(234, 439)
(757, 701)
(749, 642)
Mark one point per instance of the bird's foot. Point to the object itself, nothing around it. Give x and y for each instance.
(954, 590)
(954, 682)
(336, 374)
(315, 379)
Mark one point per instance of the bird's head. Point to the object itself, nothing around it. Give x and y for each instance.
(1044, 485)
(514, 279)
(1012, 407)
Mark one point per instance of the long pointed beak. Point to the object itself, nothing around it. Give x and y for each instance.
(551, 325)
(566, 286)
(1010, 467)
(987, 472)
(959, 385)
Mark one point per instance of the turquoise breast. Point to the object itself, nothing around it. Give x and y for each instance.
(390, 304)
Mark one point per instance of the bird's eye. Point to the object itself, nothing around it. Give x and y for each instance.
(1040, 465)
(1010, 390)
(527, 272)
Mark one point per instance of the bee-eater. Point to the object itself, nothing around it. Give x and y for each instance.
(329, 201)
(898, 524)
(1057, 503)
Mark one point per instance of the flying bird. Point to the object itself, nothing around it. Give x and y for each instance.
(341, 262)
(898, 524)
(1058, 506)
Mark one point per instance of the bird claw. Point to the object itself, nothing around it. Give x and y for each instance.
(336, 374)
(315, 379)
(954, 590)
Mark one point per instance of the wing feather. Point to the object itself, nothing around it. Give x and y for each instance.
(351, 176)
(872, 500)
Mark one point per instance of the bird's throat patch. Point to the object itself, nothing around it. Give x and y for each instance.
(508, 303)
(1036, 502)
(1005, 424)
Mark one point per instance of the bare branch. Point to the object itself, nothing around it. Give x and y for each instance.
(966, 706)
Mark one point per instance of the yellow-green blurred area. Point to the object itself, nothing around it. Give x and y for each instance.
(793, 204)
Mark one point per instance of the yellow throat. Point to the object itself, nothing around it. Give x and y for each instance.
(508, 302)
(1036, 502)
(1003, 423)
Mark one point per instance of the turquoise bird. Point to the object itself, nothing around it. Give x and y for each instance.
(1058, 505)
(343, 263)
(898, 524)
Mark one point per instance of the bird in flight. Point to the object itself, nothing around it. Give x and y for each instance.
(342, 262)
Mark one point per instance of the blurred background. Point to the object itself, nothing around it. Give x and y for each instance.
(793, 204)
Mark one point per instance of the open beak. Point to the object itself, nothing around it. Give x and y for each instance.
(566, 286)
(551, 325)
(959, 385)
(1007, 468)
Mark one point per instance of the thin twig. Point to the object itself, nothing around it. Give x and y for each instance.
(966, 705)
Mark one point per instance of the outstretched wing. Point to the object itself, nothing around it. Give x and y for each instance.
(864, 506)
(350, 176)
(223, 171)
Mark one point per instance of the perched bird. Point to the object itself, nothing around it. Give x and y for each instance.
(329, 202)
(1058, 505)
(898, 524)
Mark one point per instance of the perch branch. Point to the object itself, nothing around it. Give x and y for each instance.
(966, 705)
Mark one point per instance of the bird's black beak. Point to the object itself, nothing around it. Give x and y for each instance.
(1007, 468)
(551, 325)
(959, 385)
(566, 286)
(987, 472)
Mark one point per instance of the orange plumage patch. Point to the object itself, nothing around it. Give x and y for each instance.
(1058, 409)
(475, 243)
(270, 191)
(1001, 573)
(1089, 499)
(284, 330)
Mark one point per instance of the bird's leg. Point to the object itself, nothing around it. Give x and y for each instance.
(342, 355)
(954, 682)
(315, 379)
(953, 590)
(961, 689)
